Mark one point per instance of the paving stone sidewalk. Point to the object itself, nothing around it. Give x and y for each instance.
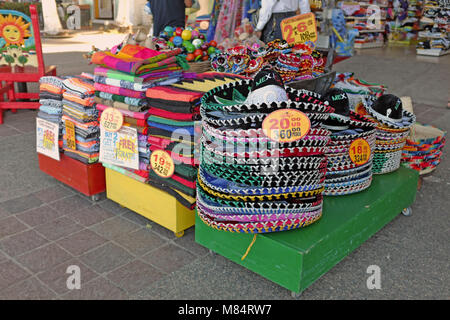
(45, 227)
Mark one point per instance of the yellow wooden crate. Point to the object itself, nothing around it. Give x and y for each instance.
(148, 201)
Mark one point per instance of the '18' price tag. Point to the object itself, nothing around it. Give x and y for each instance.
(359, 151)
(111, 119)
(286, 125)
(299, 29)
(162, 164)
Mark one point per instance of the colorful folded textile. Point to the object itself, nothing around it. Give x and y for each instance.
(44, 95)
(53, 80)
(174, 115)
(123, 83)
(47, 87)
(118, 98)
(119, 91)
(51, 103)
(55, 118)
(134, 59)
(171, 122)
(84, 157)
(51, 109)
(83, 88)
(170, 93)
(78, 115)
(137, 115)
(86, 101)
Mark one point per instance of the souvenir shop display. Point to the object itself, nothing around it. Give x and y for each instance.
(174, 116)
(403, 21)
(50, 98)
(121, 80)
(192, 43)
(80, 117)
(68, 102)
(424, 145)
(393, 127)
(293, 63)
(342, 38)
(423, 148)
(350, 150)
(357, 89)
(368, 17)
(434, 39)
(248, 182)
(226, 17)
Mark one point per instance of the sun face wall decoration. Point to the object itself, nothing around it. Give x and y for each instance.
(14, 30)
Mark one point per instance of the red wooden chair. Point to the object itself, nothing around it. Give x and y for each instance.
(21, 58)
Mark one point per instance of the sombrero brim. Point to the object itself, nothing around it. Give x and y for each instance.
(225, 186)
(353, 120)
(258, 227)
(408, 119)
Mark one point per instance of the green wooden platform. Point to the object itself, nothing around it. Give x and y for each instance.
(295, 259)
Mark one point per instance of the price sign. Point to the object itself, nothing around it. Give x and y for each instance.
(359, 151)
(120, 148)
(162, 164)
(47, 134)
(286, 125)
(70, 135)
(111, 119)
(299, 29)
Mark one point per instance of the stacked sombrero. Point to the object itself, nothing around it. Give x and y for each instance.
(345, 174)
(247, 182)
(393, 127)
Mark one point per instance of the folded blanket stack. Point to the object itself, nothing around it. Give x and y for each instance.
(137, 120)
(50, 97)
(121, 81)
(79, 108)
(174, 110)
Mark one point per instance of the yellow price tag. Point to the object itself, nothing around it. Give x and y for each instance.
(286, 125)
(70, 135)
(162, 164)
(111, 119)
(359, 151)
(299, 29)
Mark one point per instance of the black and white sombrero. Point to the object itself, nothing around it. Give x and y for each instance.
(388, 111)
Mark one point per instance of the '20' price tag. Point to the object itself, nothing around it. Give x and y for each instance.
(299, 29)
(359, 151)
(111, 119)
(162, 164)
(286, 125)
